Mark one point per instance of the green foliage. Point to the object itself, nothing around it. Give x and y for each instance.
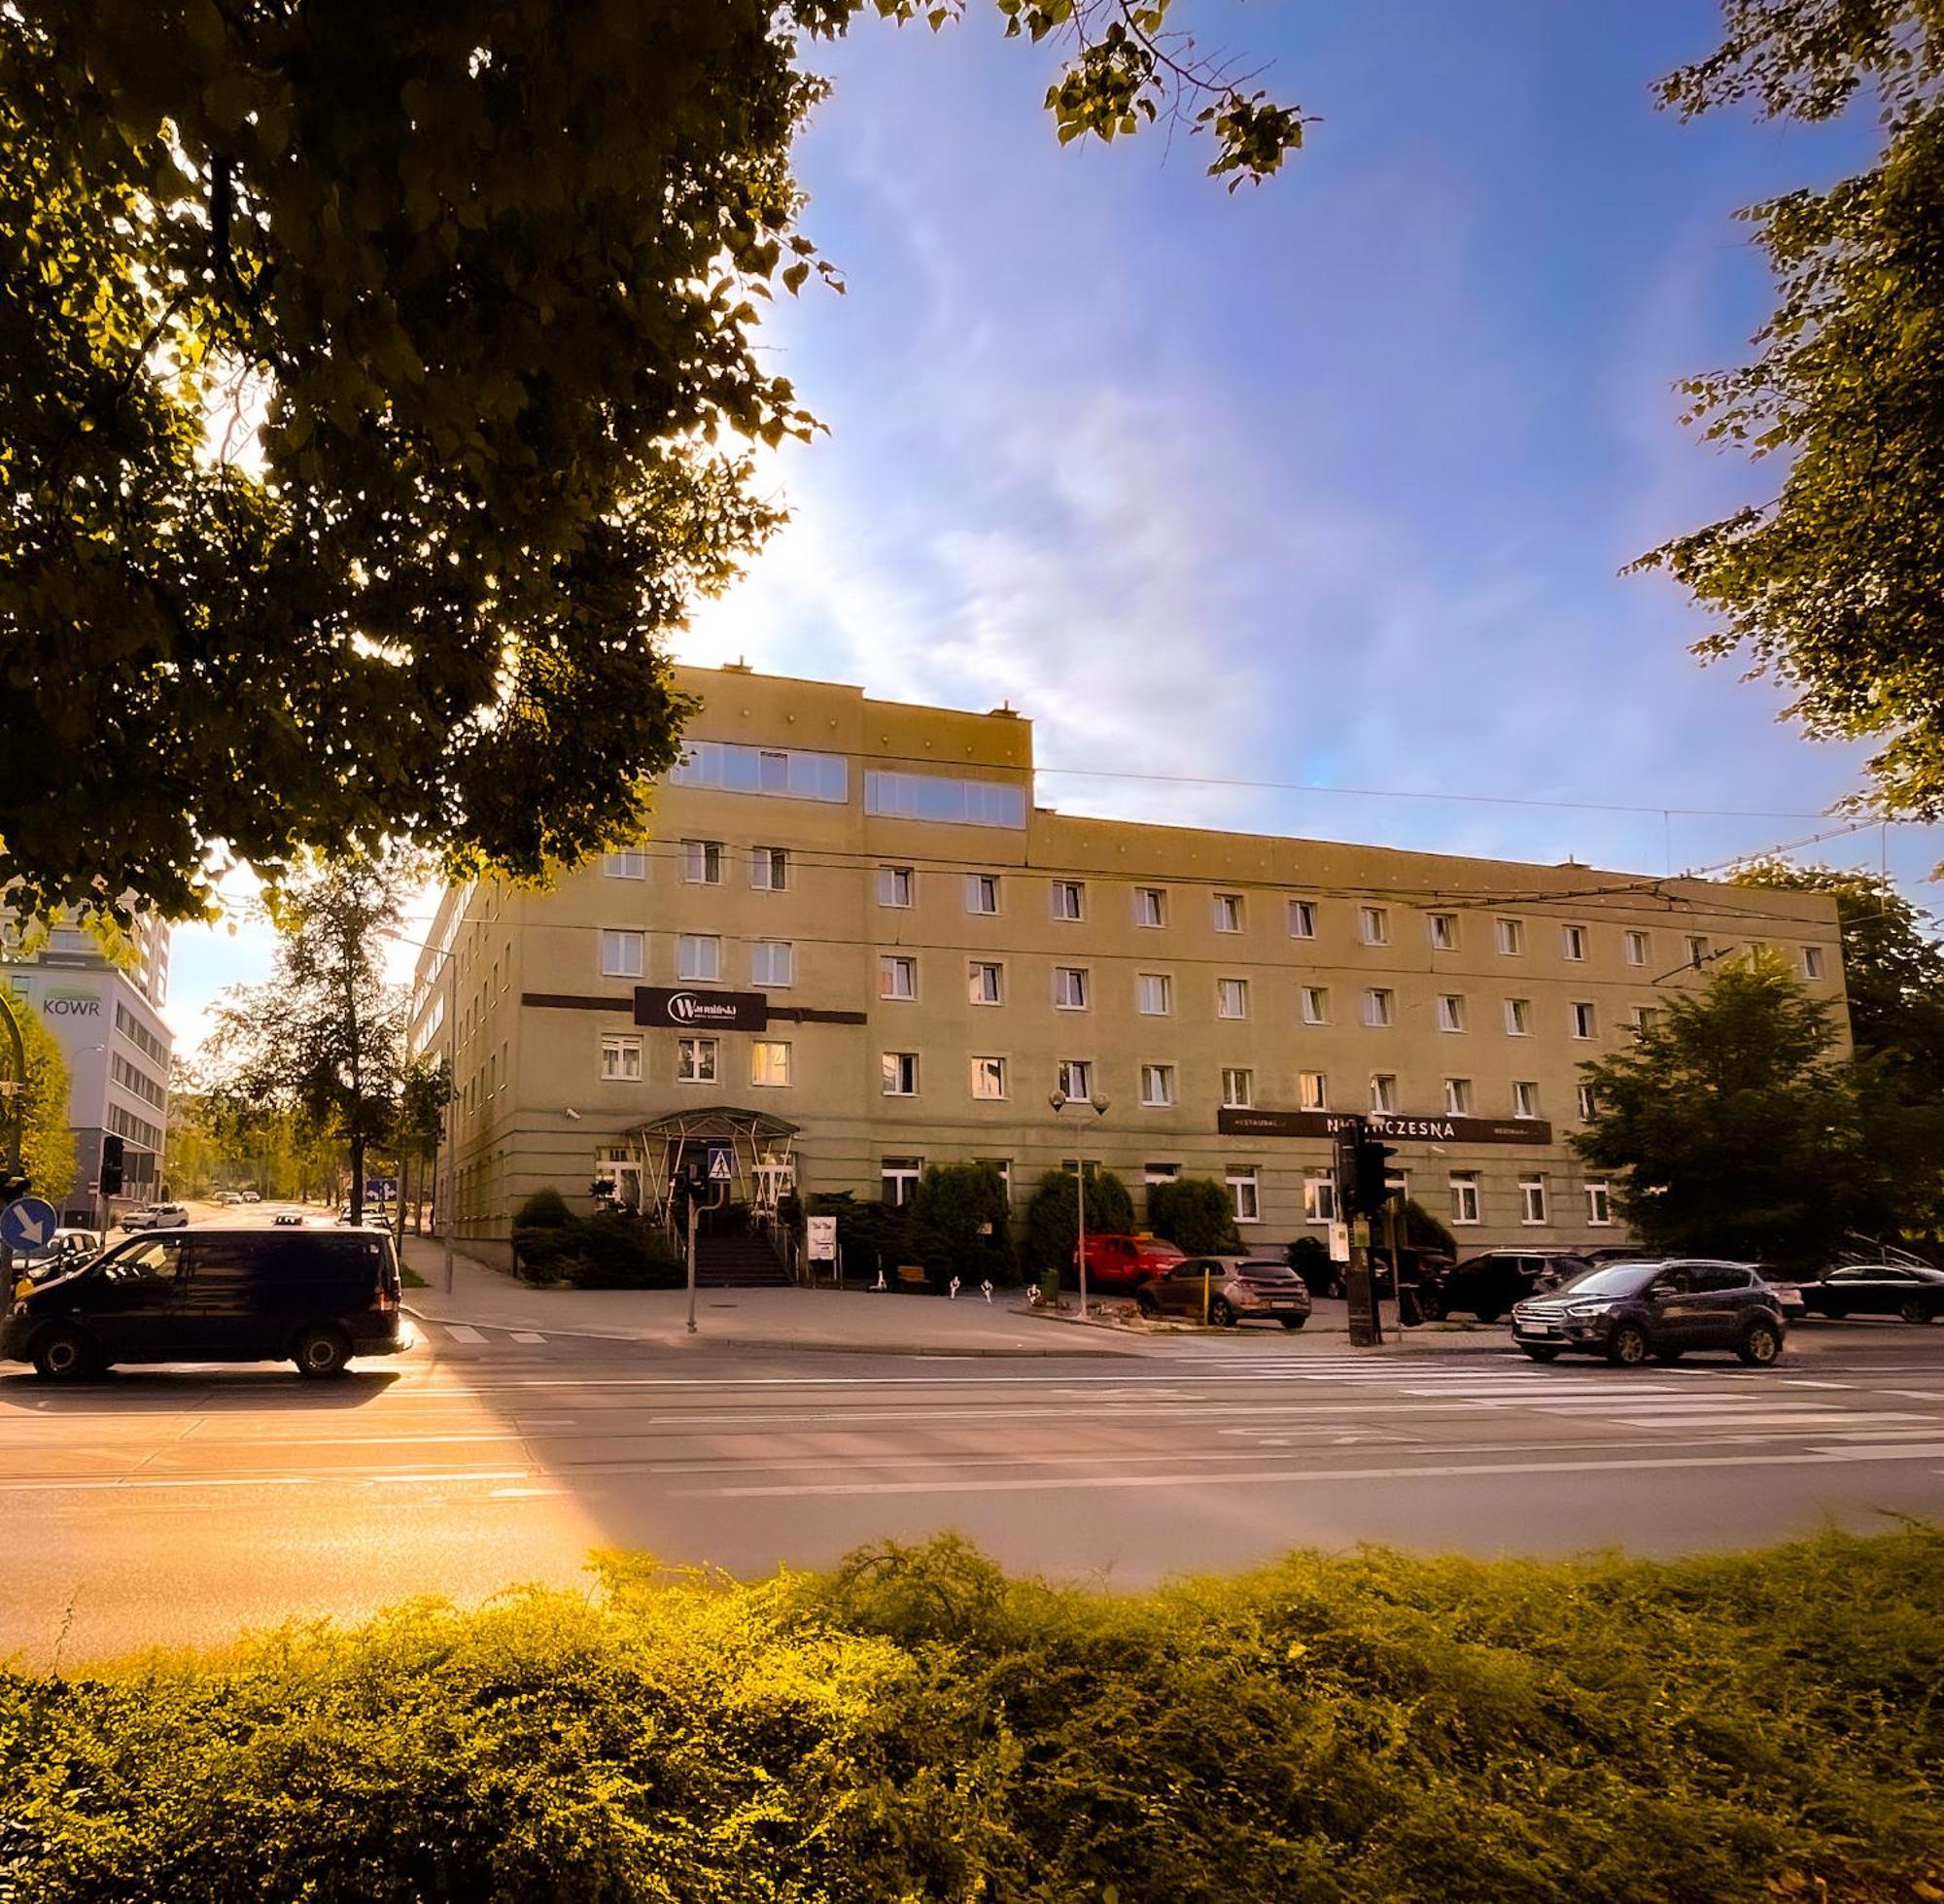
(1309, 1257)
(917, 1724)
(1424, 1231)
(604, 1251)
(1052, 1216)
(870, 1236)
(1196, 1214)
(378, 388)
(953, 1205)
(545, 1210)
(1835, 587)
(1733, 1126)
(47, 1139)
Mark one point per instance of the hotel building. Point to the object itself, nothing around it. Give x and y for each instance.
(853, 946)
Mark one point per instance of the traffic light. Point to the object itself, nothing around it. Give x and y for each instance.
(1371, 1172)
(13, 1184)
(1349, 1159)
(111, 1165)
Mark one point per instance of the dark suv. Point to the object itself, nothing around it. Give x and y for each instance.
(313, 1297)
(1631, 1312)
(1487, 1286)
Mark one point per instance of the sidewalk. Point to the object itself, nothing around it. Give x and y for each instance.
(852, 1319)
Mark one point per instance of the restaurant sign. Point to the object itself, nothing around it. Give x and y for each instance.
(1387, 1126)
(689, 1010)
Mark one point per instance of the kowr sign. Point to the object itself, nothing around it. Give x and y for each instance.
(702, 1011)
(71, 1005)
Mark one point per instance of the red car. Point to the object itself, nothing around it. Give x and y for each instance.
(1127, 1262)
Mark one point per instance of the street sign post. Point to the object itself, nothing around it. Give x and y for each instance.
(721, 1165)
(821, 1246)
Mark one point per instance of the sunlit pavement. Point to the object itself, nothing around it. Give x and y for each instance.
(170, 1505)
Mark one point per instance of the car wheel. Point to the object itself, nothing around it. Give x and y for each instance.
(1431, 1304)
(1761, 1345)
(64, 1355)
(1292, 1322)
(1918, 1310)
(1628, 1345)
(321, 1353)
(1219, 1313)
(1835, 1312)
(1146, 1304)
(1540, 1355)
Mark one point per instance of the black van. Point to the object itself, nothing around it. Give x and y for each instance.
(316, 1297)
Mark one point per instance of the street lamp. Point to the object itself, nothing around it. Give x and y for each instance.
(1060, 1101)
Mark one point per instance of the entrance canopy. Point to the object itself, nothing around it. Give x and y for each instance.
(761, 1147)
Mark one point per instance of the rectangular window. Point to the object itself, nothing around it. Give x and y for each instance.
(982, 893)
(1451, 1012)
(895, 884)
(1463, 1197)
(1076, 1077)
(989, 1077)
(771, 963)
(1646, 1017)
(621, 1060)
(1315, 1005)
(1636, 947)
(1160, 1173)
(1154, 995)
(1443, 931)
(1312, 1091)
(1319, 1196)
(1599, 1206)
(1525, 1101)
(1383, 1092)
(621, 955)
(1511, 937)
(1228, 911)
(1231, 998)
(1379, 1007)
(737, 769)
(1458, 1097)
(1518, 1018)
(624, 865)
(1697, 949)
(985, 983)
(1573, 942)
(1532, 1199)
(1812, 961)
(1589, 1105)
(702, 863)
(698, 955)
(1070, 989)
(897, 976)
(1247, 1195)
(900, 1074)
(1070, 899)
(1301, 919)
(897, 1179)
(1157, 1086)
(1585, 1021)
(695, 1061)
(1374, 924)
(1150, 906)
(941, 797)
(1238, 1088)
(769, 1062)
(769, 869)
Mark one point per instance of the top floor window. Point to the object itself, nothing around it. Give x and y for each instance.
(702, 863)
(1070, 899)
(1150, 906)
(788, 771)
(1511, 937)
(944, 797)
(982, 892)
(1443, 929)
(895, 886)
(1635, 944)
(1374, 924)
(1812, 961)
(1573, 941)
(631, 865)
(1228, 911)
(1303, 919)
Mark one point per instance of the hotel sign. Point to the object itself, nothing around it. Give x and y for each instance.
(690, 1010)
(1389, 1127)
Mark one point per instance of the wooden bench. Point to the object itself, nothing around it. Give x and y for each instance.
(913, 1275)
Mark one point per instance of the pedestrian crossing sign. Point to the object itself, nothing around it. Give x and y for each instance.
(720, 1169)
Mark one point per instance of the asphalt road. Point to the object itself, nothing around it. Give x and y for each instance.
(178, 1506)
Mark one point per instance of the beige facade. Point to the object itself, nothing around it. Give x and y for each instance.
(937, 955)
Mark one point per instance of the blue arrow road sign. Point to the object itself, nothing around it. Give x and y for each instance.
(28, 1224)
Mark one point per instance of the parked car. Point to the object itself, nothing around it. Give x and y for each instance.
(66, 1251)
(316, 1299)
(157, 1216)
(1876, 1288)
(1615, 1252)
(287, 1218)
(1487, 1286)
(1634, 1312)
(252, 1197)
(1126, 1262)
(228, 1199)
(1238, 1289)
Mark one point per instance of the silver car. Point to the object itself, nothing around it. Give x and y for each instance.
(1232, 1288)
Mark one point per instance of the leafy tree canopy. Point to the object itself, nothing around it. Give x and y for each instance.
(47, 1138)
(1195, 1214)
(1052, 1216)
(376, 387)
(1836, 587)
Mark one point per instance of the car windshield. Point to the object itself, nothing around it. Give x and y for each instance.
(1266, 1272)
(1614, 1279)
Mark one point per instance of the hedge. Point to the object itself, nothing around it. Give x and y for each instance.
(916, 1725)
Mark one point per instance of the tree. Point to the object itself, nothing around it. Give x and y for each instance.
(323, 1039)
(1052, 1216)
(47, 1137)
(1836, 587)
(958, 1223)
(1736, 1126)
(1196, 1214)
(377, 386)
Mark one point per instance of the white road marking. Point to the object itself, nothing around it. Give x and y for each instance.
(527, 1336)
(462, 1331)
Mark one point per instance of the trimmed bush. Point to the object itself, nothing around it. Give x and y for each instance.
(951, 1204)
(1195, 1214)
(1053, 1217)
(545, 1210)
(618, 1252)
(919, 1726)
(1310, 1258)
(1423, 1231)
(870, 1236)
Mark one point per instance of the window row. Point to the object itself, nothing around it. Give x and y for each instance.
(1535, 1199)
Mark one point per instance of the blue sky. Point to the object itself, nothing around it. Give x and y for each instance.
(1329, 481)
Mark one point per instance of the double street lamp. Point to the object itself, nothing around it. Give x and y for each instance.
(1060, 1101)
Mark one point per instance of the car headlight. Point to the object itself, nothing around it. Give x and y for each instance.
(1588, 1308)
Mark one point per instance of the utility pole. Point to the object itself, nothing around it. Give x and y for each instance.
(17, 1094)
